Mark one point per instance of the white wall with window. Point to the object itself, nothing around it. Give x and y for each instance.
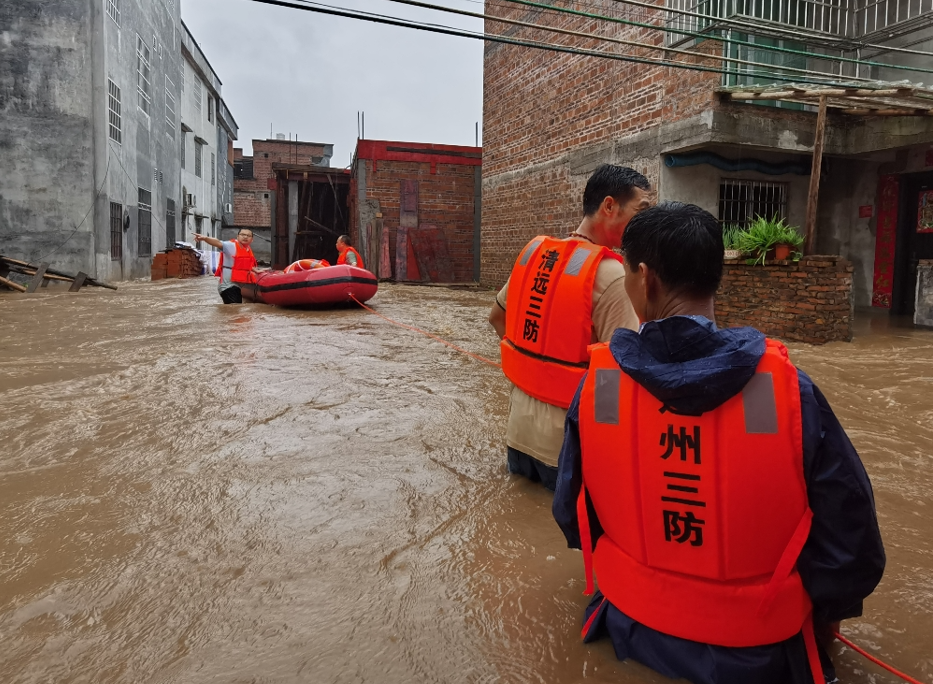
(199, 133)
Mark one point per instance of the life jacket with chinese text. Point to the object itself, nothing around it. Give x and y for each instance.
(243, 263)
(306, 265)
(549, 317)
(703, 516)
(342, 259)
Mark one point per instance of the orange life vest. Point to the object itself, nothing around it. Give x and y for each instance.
(306, 265)
(704, 516)
(243, 263)
(342, 259)
(549, 317)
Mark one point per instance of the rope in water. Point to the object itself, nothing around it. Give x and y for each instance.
(427, 334)
(879, 663)
(906, 678)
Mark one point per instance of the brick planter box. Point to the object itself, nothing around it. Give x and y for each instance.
(805, 301)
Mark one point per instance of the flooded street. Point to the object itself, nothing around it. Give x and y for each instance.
(195, 493)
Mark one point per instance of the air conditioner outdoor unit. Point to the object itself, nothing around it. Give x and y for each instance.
(190, 200)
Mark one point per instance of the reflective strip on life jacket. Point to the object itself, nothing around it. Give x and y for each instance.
(549, 317)
(703, 516)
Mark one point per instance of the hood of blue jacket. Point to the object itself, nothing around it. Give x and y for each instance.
(687, 363)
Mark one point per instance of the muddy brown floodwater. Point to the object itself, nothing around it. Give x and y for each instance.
(196, 493)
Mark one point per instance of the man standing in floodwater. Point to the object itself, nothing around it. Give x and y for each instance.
(733, 522)
(563, 295)
(237, 263)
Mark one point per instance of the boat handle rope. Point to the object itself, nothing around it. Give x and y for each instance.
(876, 661)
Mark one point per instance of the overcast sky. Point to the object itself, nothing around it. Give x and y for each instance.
(307, 73)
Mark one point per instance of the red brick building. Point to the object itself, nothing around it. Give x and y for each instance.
(254, 185)
(550, 118)
(422, 197)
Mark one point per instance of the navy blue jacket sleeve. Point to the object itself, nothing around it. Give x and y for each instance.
(843, 559)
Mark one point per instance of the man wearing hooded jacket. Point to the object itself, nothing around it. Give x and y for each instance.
(729, 520)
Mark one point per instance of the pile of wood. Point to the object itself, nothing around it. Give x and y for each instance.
(176, 263)
(41, 274)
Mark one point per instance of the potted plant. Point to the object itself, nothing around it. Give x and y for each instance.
(789, 241)
(730, 241)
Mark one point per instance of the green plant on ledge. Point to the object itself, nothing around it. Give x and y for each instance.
(762, 235)
(730, 236)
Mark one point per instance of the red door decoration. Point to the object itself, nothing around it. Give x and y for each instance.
(925, 212)
(885, 239)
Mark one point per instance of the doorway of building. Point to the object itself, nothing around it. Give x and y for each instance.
(914, 239)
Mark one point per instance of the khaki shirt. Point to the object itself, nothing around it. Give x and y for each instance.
(537, 428)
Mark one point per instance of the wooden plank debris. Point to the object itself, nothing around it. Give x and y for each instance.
(38, 278)
(41, 275)
(809, 243)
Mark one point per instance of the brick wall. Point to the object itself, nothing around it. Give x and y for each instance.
(550, 118)
(252, 198)
(445, 200)
(807, 301)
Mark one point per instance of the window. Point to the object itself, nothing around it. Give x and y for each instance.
(740, 201)
(116, 231)
(169, 107)
(113, 106)
(142, 75)
(169, 223)
(197, 93)
(113, 10)
(210, 109)
(197, 159)
(184, 146)
(213, 164)
(144, 243)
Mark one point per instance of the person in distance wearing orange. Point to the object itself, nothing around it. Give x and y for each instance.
(348, 255)
(728, 519)
(563, 295)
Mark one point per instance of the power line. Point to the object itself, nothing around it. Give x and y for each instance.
(495, 38)
(708, 36)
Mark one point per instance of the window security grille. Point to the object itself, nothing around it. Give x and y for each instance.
(143, 70)
(740, 201)
(114, 111)
(169, 107)
(197, 159)
(210, 109)
(144, 242)
(169, 223)
(116, 231)
(197, 93)
(113, 10)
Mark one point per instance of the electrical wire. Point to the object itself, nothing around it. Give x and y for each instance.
(708, 36)
(496, 38)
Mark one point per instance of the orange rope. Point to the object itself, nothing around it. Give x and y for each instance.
(877, 662)
(427, 334)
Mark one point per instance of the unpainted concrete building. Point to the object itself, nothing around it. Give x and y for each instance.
(88, 132)
(254, 186)
(550, 118)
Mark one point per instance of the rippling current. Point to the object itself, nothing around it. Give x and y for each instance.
(192, 492)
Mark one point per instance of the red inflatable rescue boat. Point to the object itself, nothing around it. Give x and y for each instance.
(327, 286)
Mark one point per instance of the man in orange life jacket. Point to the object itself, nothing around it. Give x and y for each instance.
(237, 263)
(562, 296)
(733, 522)
(348, 255)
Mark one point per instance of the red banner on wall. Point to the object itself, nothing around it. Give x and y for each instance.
(885, 241)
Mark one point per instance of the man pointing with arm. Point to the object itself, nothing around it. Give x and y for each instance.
(237, 264)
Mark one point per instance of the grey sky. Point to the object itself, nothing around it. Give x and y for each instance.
(309, 74)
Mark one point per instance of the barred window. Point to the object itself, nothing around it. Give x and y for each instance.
(213, 173)
(143, 86)
(169, 107)
(169, 223)
(740, 201)
(197, 93)
(197, 159)
(210, 109)
(113, 10)
(144, 243)
(114, 111)
(184, 147)
(116, 231)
